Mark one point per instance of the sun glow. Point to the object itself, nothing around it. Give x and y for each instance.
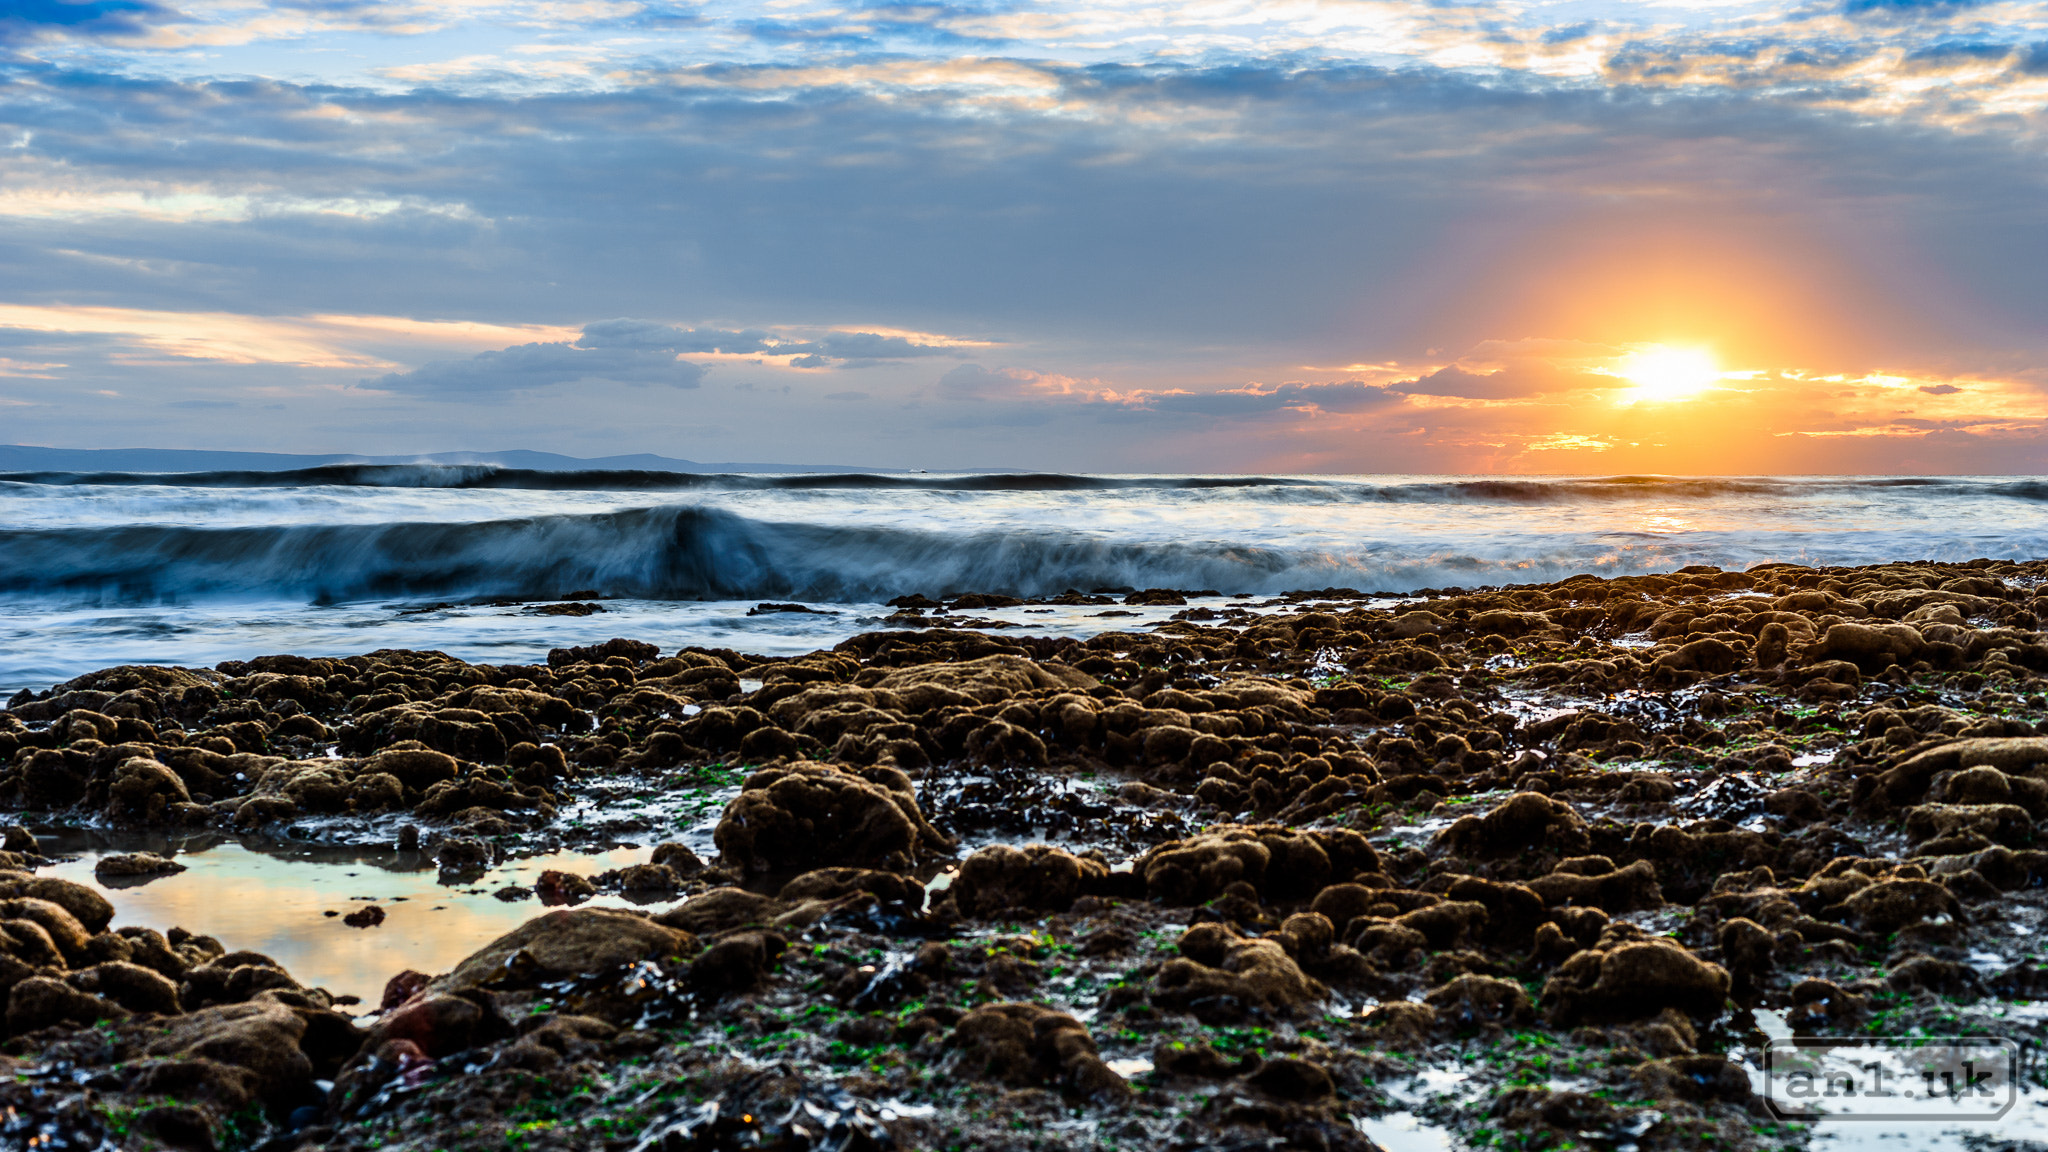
(1661, 373)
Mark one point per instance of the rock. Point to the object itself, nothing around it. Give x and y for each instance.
(458, 854)
(143, 790)
(1277, 861)
(1871, 647)
(2012, 755)
(568, 943)
(1292, 1079)
(736, 962)
(132, 986)
(558, 887)
(41, 1001)
(403, 987)
(366, 917)
(234, 978)
(252, 1048)
(649, 878)
(999, 878)
(722, 910)
(2007, 824)
(29, 948)
(1889, 905)
(832, 885)
(1700, 1079)
(809, 815)
(49, 779)
(89, 907)
(1402, 1024)
(1634, 981)
(1449, 924)
(677, 857)
(1026, 1045)
(1248, 978)
(1512, 910)
(436, 1023)
(1523, 824)
(132, 865)
(1584, 882)
(988, 680)
(1343, 903)
(1747, 949)
(62, 929)
(1472, 1001)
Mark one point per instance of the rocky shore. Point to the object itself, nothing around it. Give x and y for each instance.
(1242, 880)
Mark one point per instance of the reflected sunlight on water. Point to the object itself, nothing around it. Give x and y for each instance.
(276, 905)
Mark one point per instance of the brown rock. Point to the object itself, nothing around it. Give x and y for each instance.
(1252, 977)
(40, 1001)
(130, 865)
(722, 910)
(63, 930)
(1038, 878)
(736, 962)
(1525, 823)
(1472, 1001)
(1292, 1079)
(143, 790)
(132, 986)
(988, 680)
(1889, 905)
(1633, 981)
(1611, 890)
(1278, 862)
(91, 909)
(567, 943)
(808, 815)
(1030, 1044)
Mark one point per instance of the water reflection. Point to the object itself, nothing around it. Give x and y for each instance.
(272, 897)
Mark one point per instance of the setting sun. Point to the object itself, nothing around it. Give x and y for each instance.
(1661, 373)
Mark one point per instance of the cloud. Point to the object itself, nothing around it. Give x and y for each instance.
(28, 20)
(1505, 384)
(528, 366)
(1907, 8)
(974, 382)
(831, 349)
(1258, 399)
(1940, 389)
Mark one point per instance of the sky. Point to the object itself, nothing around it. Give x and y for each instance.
(1366, 236)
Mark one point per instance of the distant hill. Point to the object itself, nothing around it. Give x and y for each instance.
(24, 458)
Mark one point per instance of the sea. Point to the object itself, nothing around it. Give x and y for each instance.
(98, 569)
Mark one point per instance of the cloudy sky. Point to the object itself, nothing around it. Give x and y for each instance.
(1306, 235)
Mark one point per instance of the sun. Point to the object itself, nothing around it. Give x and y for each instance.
(1661, 373)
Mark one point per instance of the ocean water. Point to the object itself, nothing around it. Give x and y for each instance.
(195, 568)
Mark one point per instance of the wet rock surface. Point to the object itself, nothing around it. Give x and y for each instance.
(1232, 881)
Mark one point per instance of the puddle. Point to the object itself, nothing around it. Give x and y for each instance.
(273, 899)
(2024, 1127)
(1404, 1132)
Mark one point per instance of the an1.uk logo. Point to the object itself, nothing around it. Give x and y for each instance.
(1961, 1078)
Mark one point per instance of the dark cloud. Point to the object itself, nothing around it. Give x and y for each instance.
(823, 202)
(530, 366)
(1506, 384)
(1940, 389)
(1907, 8)
(1317, 216)
(845, 349)
(27, 20)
